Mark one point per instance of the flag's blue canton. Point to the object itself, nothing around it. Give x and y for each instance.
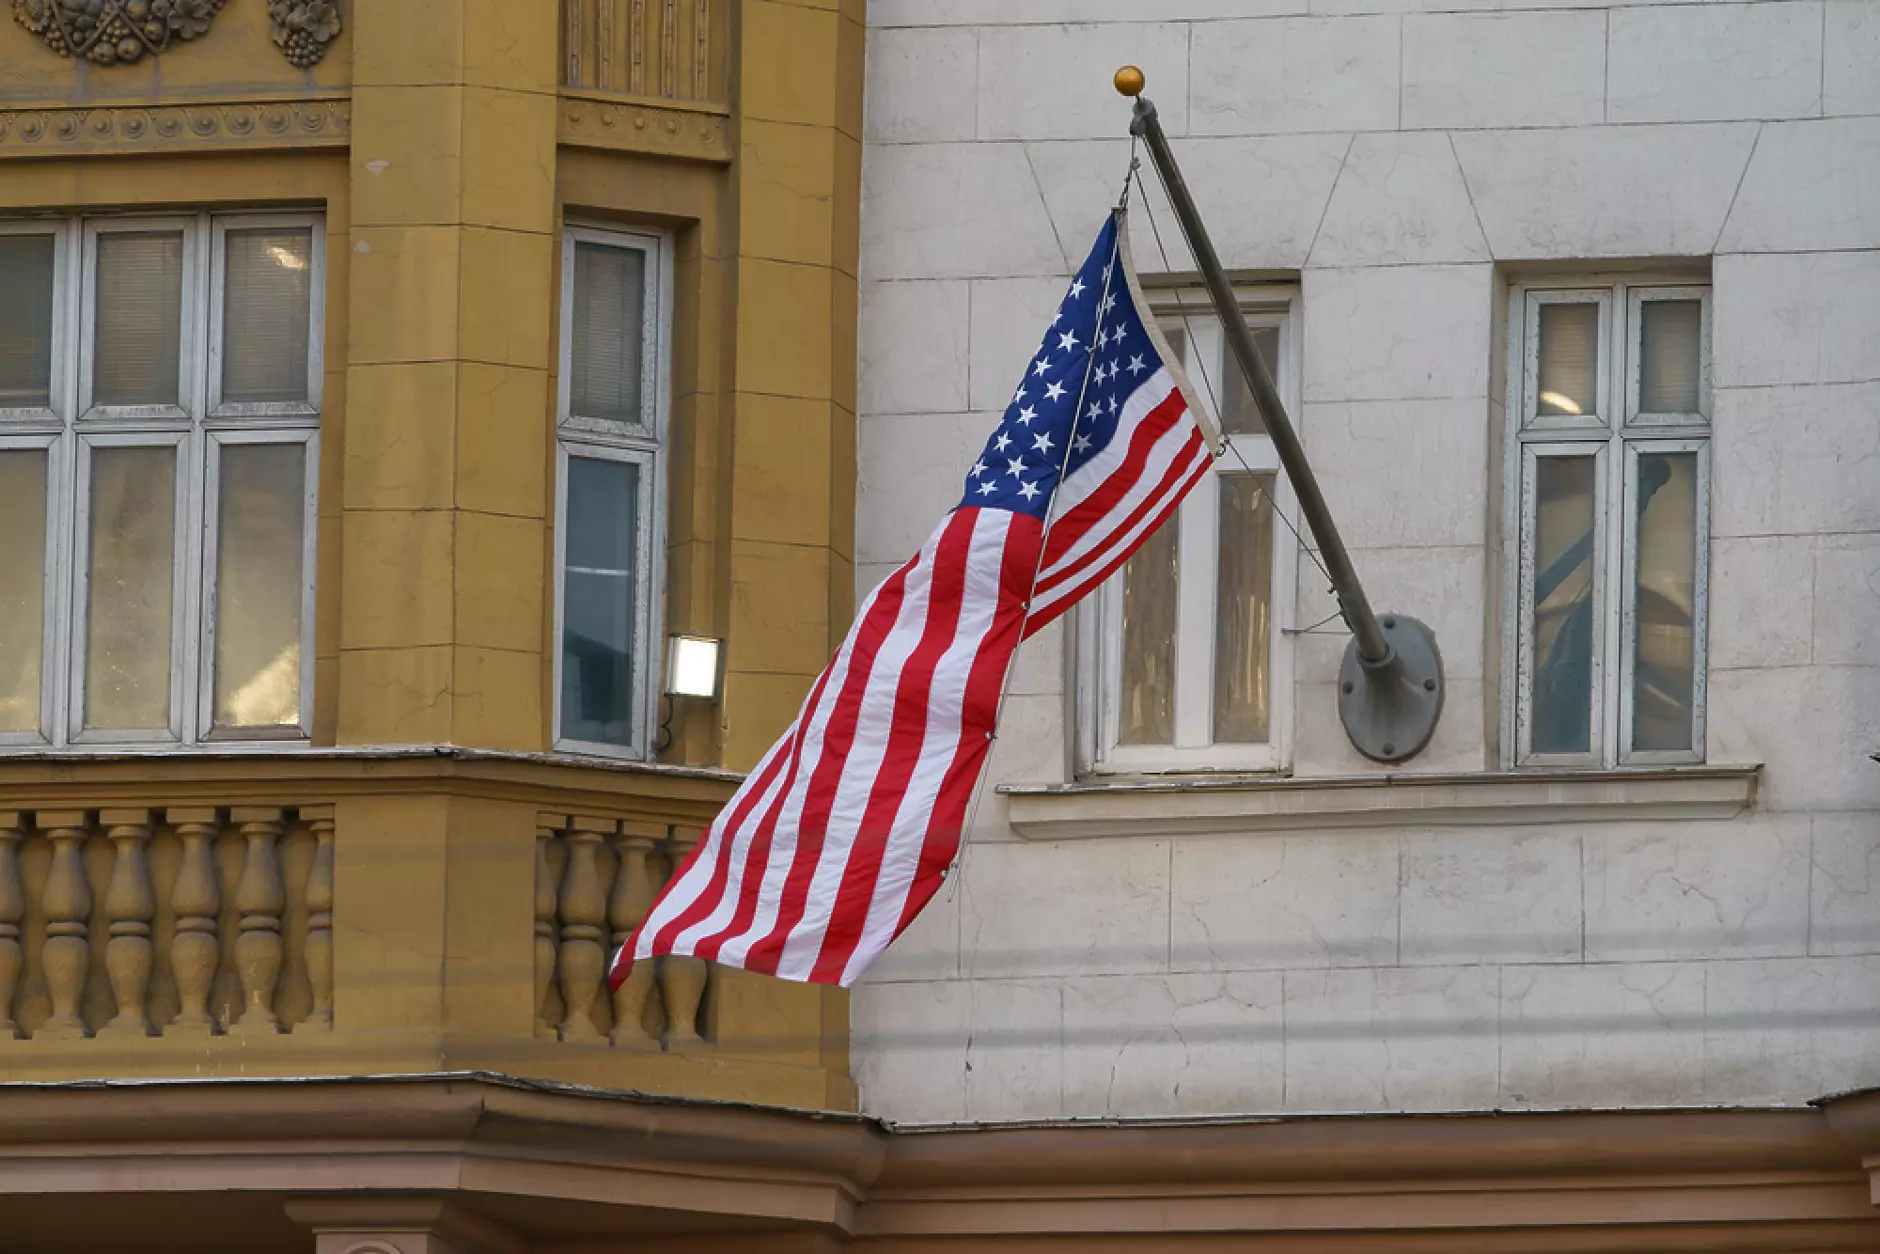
(1019, 468)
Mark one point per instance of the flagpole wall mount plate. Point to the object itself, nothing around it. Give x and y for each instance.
(1390, 708)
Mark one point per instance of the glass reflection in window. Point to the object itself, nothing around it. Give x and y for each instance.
(600, 580)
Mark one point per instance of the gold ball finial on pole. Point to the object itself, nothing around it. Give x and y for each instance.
(1129, 81)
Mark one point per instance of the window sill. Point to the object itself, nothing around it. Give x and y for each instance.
(1200, 806)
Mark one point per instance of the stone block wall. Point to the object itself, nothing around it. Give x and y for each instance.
(1402, 161)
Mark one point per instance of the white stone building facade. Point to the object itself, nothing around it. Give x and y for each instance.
(1444, 210)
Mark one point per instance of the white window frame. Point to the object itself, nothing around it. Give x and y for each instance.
(188, 371)
(73, 427)
(58, 540)
(1531, 417)
(65, 238)
(209, 602)
(637, 443)
(171, 732)
(1616, 438)
(1636, 299)
(1098, 623)
(222, 224)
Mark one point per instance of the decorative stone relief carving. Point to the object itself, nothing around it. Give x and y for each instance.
(698, 133)
(115, 32)
(304, 28)
(174, 128)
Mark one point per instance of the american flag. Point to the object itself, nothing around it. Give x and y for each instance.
(847, 827)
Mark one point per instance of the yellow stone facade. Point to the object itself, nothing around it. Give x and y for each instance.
(446, 143)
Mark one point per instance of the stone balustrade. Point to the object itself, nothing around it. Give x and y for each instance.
(377, 912)
(595, 880)
(201, 921)
(189, 922)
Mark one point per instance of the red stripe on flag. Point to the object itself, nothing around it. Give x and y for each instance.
(1178, 466)
(887, 603)
(1050, 613)
(916, 676)
(724, 828)
(832, 754)
(979, 715)
(907, 737)
(1070, 527)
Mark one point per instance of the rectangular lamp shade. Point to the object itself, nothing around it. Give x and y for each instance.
(692, 667)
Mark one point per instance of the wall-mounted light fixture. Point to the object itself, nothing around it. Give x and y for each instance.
(693, 667)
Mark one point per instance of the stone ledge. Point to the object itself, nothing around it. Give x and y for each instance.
(1200, 806)
(690, 130)
(275, 775)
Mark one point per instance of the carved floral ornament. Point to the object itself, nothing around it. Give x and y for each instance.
(121, 32)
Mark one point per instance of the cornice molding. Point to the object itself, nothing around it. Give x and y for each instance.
(692, 132)
(238, 125)
(1770, 1181)
(1203, 805)
(553, 782)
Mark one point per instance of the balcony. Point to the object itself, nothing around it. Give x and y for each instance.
(372, 913)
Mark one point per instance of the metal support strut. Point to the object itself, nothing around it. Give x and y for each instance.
(1390, 686)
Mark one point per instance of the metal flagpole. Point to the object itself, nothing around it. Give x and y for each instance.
(1390, 689)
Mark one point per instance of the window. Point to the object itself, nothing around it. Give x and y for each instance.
(1610, 474)
(1189, 671)
(159, 429)
(610, 486)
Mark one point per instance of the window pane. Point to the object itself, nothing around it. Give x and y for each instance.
(1239, 415)
(600, 584)
(140, 311)
(1562, 647)
(22, 585)
(261, 497)
(1177, 339)
(26, 321)
(1242, 644)
(133, 557)
(1670, 344)
(1666, 598)
(1569, 359)
(267, 284)
(609, 313)
(1146, 704)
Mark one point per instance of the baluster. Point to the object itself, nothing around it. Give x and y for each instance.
(131, 903)
(682, 980)
(633, 897)
(261, 898)
(319, 920)
(67, 901)
(583, 911)
(12, 910)
(196, 897)
(546, 825)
